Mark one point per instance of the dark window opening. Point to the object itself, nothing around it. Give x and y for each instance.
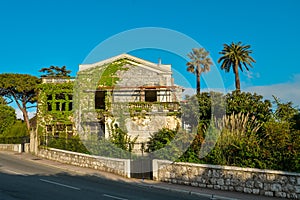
(60, 127)
(63, 106)
(57, 106)
(100, 99)
(69, 127)
(49, 106)
(70, 96)
(150, 95)
(60, 97)
(49, 128)
(70, 106)
(49, 97)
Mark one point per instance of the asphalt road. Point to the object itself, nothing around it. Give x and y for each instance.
(23, 179)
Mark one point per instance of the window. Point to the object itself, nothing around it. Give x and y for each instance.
(63, 106)
(60, 97)
(49, 97)
(70, 96)
(150, 95)
(70, 106)
(57, 107)
(49, 106)
(100, 99)
(60, 102)
(49, 128)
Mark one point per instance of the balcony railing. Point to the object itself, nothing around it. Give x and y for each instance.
(146, 106)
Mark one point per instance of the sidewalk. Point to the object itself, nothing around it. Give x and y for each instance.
(214, 194)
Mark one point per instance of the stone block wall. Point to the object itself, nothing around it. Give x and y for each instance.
(11, 147)
(112, 165)
(248, 180)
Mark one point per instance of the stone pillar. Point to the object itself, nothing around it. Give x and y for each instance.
(33, 142)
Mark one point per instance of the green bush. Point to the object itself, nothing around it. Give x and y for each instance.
(16, 134)
(72, 143)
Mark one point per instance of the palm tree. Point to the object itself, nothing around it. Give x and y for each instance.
(200, 62)
(236, 55)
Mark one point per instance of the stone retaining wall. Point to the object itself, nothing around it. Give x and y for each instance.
(112, 165)
(248, 180)
(11, 147)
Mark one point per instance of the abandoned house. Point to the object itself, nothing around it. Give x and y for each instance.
(124, 91)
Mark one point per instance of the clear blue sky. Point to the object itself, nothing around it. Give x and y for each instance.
(36, 34)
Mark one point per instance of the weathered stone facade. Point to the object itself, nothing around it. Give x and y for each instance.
(248, 180)
(135, 94)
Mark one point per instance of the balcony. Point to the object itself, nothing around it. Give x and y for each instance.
(133, 108)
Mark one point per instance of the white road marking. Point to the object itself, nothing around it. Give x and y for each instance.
(114, 197)
(60, 184)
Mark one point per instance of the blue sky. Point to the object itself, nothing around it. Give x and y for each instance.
(36, 34)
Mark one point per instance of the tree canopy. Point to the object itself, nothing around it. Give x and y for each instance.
(55, 71)
(7, 117)
(200, 62)
(236, 56)
(20, 88)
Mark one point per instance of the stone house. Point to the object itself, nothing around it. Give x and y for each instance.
(124, 91)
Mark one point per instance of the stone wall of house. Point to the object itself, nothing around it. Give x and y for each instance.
(112, 165)
(143, 127)
(136, 77)
(248, 180)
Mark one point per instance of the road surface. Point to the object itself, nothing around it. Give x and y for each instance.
(23, 179)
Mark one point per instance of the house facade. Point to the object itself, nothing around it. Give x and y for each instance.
(124, 91)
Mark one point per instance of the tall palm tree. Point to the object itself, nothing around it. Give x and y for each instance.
(236, 55)
(200, 62)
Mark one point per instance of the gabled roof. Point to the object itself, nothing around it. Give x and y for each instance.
(158, 67)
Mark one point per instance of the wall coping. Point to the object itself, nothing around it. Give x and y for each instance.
(85, 155)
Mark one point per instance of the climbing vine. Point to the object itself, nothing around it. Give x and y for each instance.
(55, 107)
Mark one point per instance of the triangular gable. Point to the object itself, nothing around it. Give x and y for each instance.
(157, 67)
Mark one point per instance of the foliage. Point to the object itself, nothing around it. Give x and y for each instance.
(248, 103)
(47, 117)
(17, 133)
(201, 108)
(238, 143)
(20, 88)
(55, 71)
(160, 139)
(121, 138)
(168, 144)
(7, 117)
(285, 111)
(250, 135)
(200, 62)
(2, 101)
(236, 55)
(281, 149)
(70, 143)
(104, 147)
(109, 76)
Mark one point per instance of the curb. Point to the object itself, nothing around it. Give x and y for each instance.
(211, 196)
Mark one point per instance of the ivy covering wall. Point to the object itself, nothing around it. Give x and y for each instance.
(55, 109)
